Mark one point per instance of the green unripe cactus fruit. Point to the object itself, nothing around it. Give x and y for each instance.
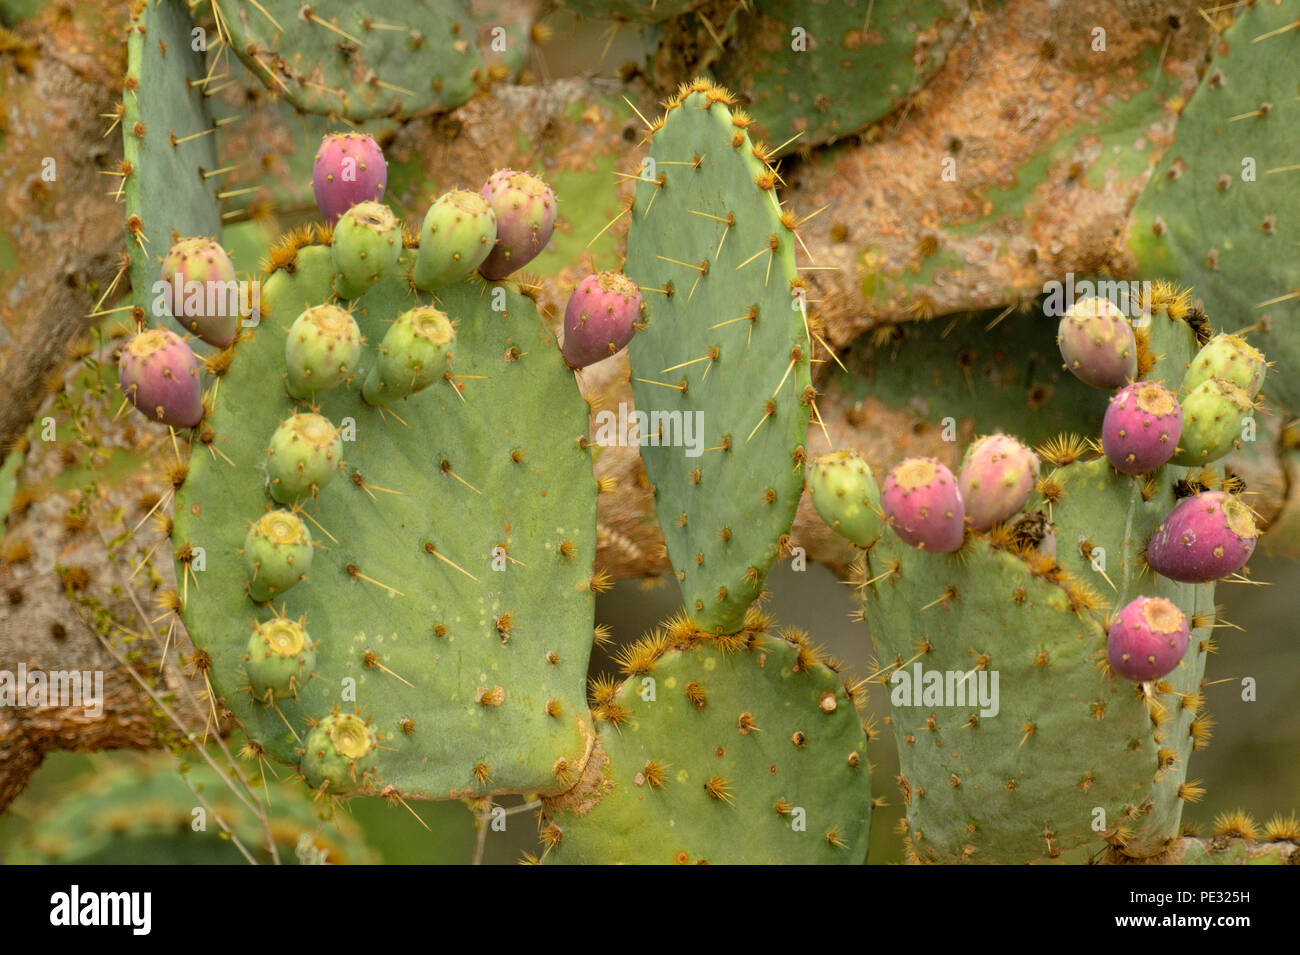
(846, 496)
(305, 454)
(277, 554)
(1230, 358)
(1212, 422)
(413, 355)
(459, 231)
(338, 753)
(367, 244)
(321, 352)
(279, 659)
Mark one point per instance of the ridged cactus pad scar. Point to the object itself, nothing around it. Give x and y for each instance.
(736, 749)
(442, 546)
(1016, 740)
(724, 355)
(334, 58)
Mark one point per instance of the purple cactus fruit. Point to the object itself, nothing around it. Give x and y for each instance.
(997, 476)
(160, 376)
(1205, 537)
(525, 210)
(602, 316)
(350, 168)
(924, 505)
(1142, 426)
(200, 290)
(1098, 344)
(1147, 639)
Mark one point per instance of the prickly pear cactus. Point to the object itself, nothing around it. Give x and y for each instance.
(725, 353)
(412, 57)
(1235, 161)
(167, 142)
(735, 749)
(791, 61)
(449, 596)
(1015, 741)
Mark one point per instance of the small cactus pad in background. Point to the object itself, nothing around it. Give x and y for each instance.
(1208, 536)
(738, 749)
(1098, 344)
(367, 243)
(450, 592)
(1147, 639)
(166, 144)
(1142, 426)
(160, 375)
(332, 58)
(201, 290)
(322, 351)
(349, 168)
(997, 475)
(459, 231)
(725, 350)
(603, 314)
(845, 494)
(822, 71)
(924, 505)
(524, 207)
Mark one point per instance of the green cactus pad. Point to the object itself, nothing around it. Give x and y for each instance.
(1067, 740)
(143, 813)
(167, 141)
(338, 60)
(450, 583)
(747, 754)
(724, 511)
(1198, 220)
(847, 67)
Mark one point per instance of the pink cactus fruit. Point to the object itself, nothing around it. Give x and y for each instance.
(924, 506)
(1147, 639)
(349, 168)
(601, 318)
(1098, 344)
(525, 211)
(159, 374)
(1206, 537)
(996, 478)
(201, 291)
(1142, 426)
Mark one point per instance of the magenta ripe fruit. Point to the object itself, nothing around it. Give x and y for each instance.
(1142, 426)
(924, 505)
(525, 211)
(349, 168)
(997, 476)
(601, 318)
(1147, 639)
(160, 375)
(1206, 537)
